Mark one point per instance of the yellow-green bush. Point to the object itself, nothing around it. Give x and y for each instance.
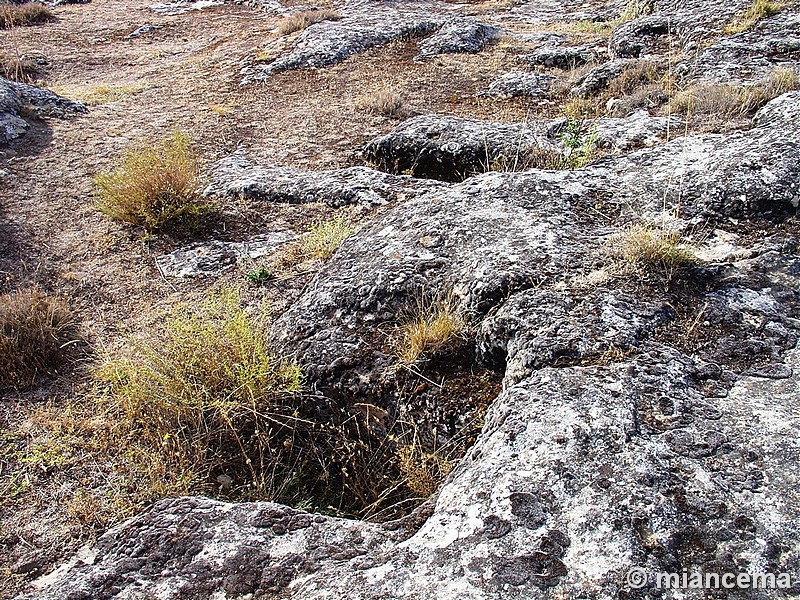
(156, 186)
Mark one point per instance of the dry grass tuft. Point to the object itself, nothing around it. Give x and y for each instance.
(103, 94)
(24, 68)
(301, 20)
(529, 158)
(29, 13)
(323, 239)
(386, 102)
(728, 102)
(655, 245)
(34, 331)
(422, 471)
(636, 9)
(154, 186)
(428, 329)
(759, 10)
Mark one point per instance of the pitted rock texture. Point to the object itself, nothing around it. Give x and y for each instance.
(14, 97)
(750, 56)
(580, 473)
(238, 177)
(598, 78)
(520, 83)
(561, 57)
(451, 148)
(212, 258)
(647, 418)
(364, 25)
(459, 35)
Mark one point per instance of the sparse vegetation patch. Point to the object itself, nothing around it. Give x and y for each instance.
(728, 102)
(429, 327)
(385, 102)
(660, 245)
(34, 331)
(759, 10)
(301, 20)
(155, 186)
(28, 13)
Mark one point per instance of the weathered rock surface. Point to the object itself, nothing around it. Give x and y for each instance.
(458, 35)
(645, 420)
(452, 148)
(39, 102)
(561, 57)
(364, 25)
(580, 474)
(599, 77)
(215, 257)
(236, 176)
(521, 83)
(751, 55)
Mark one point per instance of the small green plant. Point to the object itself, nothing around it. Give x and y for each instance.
(428, 329)
(258, 276)
(757, 11)
(580, 142)
(28, 13)
(155, 186)
(34, 331)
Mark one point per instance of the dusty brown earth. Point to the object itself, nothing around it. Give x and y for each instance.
(184, 75)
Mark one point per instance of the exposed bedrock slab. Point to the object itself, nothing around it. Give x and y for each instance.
(236, 176)
(561, 57)
(214, 257)
(751, 55)
(365, 25)
(579, 474)
(520, 83)
(461, 35)
(16, 97)
(451, 148)
(684, 23)
(715, 176)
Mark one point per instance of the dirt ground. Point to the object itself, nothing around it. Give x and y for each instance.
(184, 75)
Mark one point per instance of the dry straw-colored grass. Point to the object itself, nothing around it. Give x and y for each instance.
(385, 102)
(155, 186)
(19, 68)
(29, 13)
(757, 11)
(660, 245)
(728, 101)
(301, 20)
(428, 329)
(422, 471)
(34, 331)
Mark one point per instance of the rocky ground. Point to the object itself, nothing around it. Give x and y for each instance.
(639, 414)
